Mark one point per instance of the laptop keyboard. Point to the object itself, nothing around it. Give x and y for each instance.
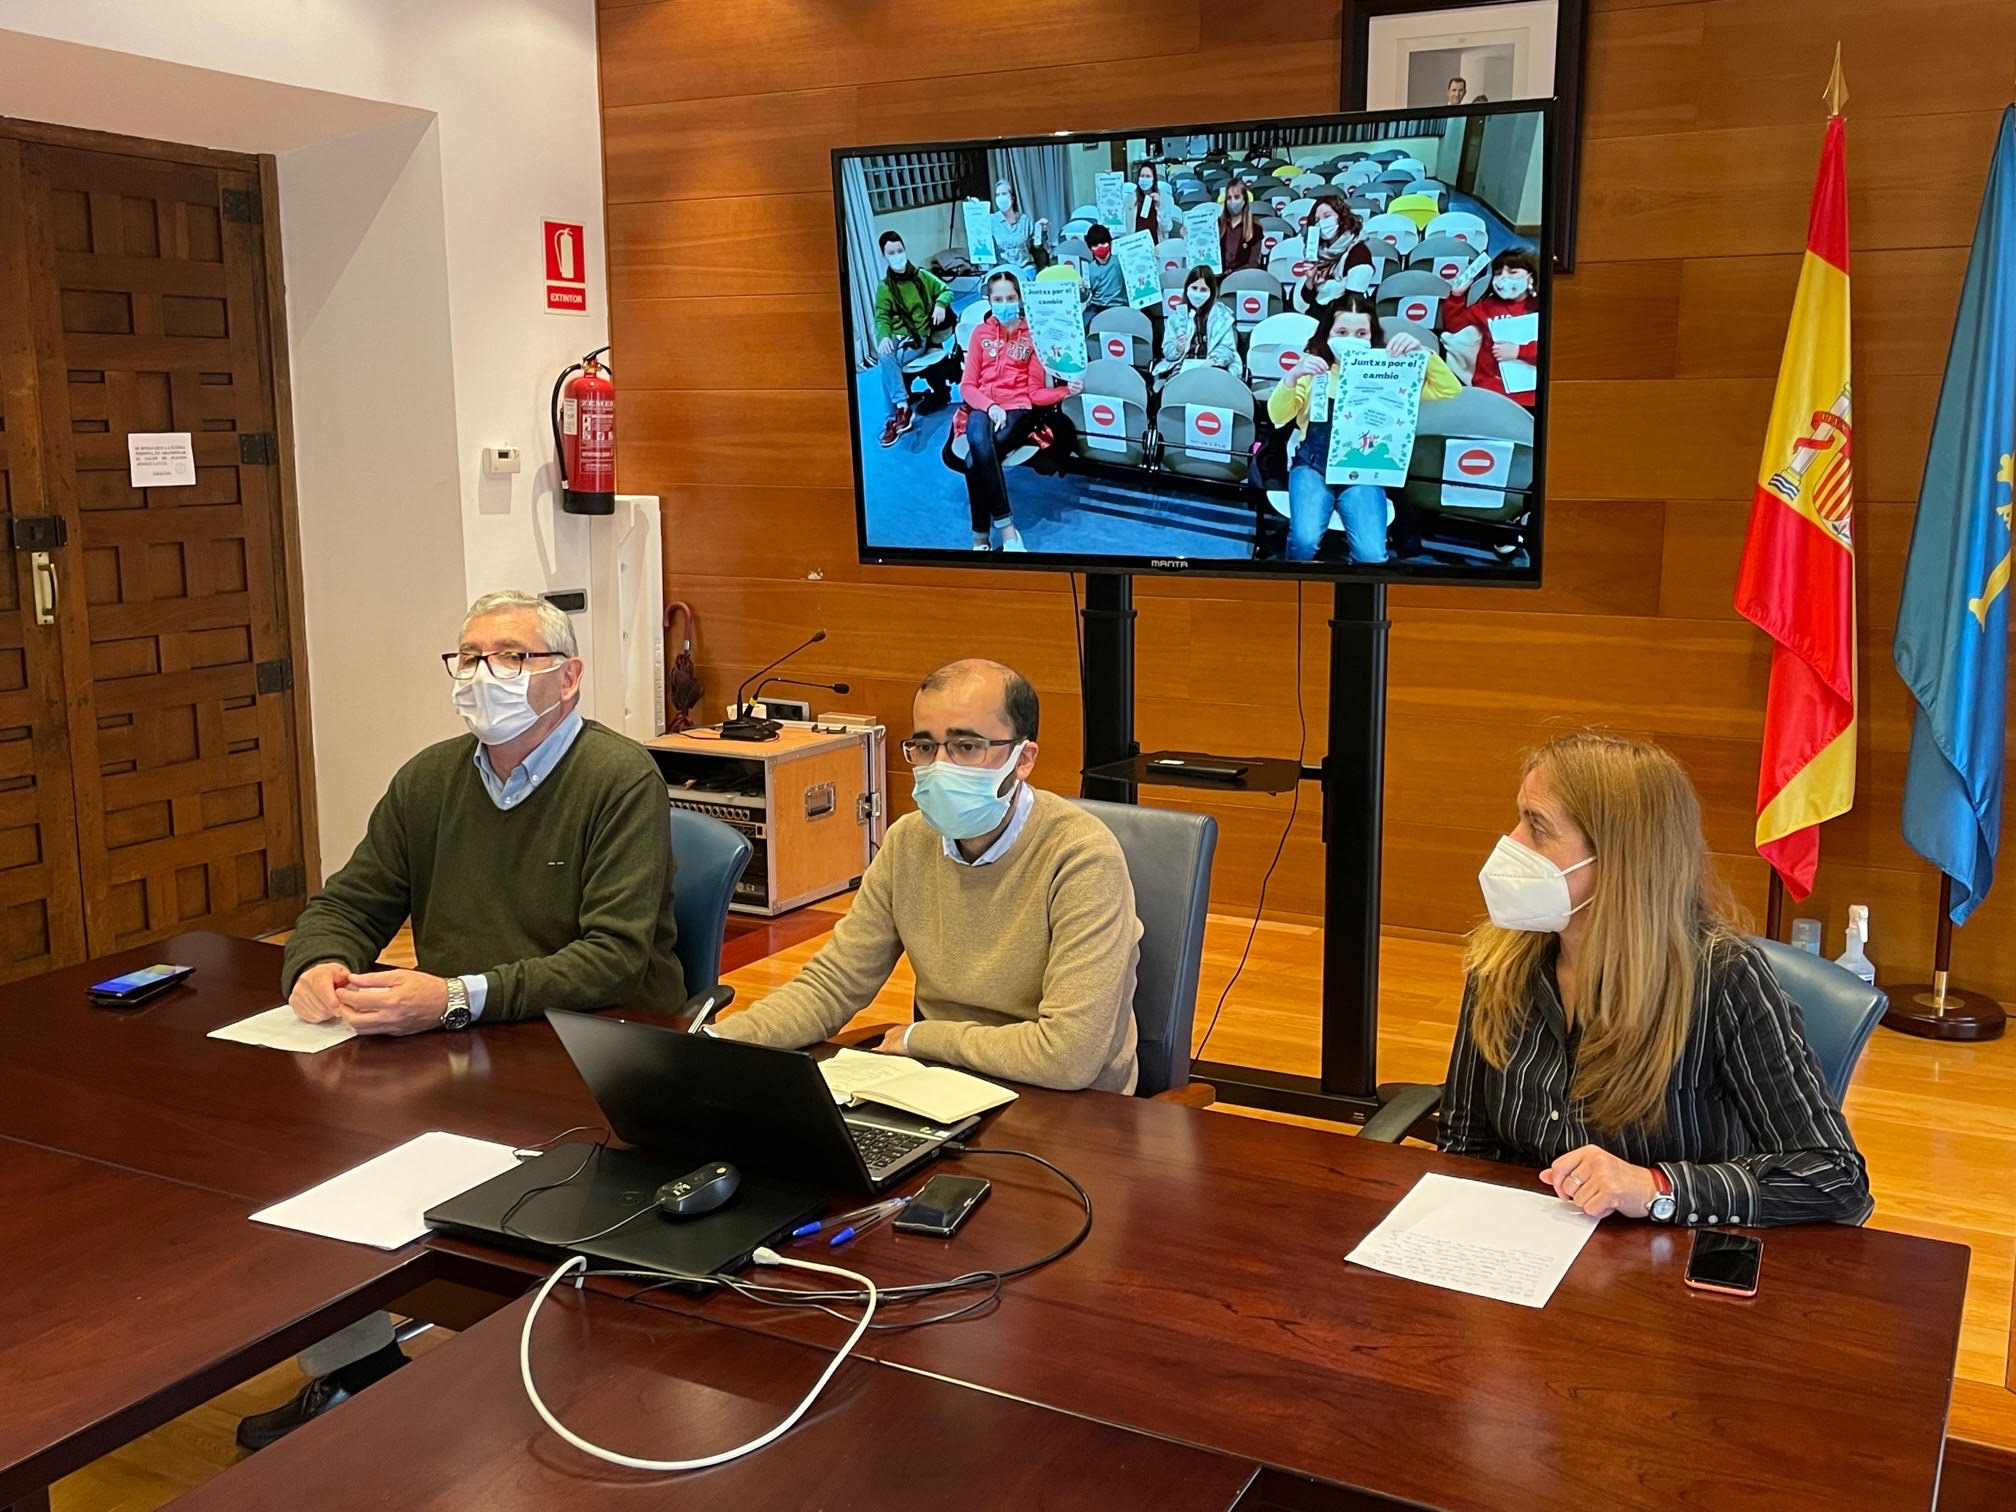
(884, 1147)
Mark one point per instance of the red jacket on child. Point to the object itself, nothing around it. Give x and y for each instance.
(1003, 369)
(1457, 316)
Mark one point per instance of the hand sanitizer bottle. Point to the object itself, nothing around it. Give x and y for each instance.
(1856, 957)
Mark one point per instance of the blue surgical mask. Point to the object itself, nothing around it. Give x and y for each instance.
(963, 803)
(1004, 202)
(1007, 310)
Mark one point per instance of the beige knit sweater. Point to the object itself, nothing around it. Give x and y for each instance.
(1025, 966)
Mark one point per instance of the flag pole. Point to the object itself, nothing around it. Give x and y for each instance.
(1774, 908)
(1937, 1009)
(1837, 86)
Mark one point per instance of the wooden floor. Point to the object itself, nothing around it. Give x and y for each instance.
(1937, 1123)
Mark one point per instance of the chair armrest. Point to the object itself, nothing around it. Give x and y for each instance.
(1410, 1106)
(1194, 1094)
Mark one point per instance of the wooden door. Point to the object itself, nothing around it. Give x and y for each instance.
(41, 916)
(146, 307)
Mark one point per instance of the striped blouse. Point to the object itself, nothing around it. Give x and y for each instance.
(1750, 1136)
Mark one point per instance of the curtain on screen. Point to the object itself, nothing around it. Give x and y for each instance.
(864, 258)
(1042, 180)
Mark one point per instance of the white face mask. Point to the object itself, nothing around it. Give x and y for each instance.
(1004, 202)
(1509, 286)
(1329, 228)
(1145, 183)
(1197, 297)
(1524, 890)
(496, 712)
(898, 261)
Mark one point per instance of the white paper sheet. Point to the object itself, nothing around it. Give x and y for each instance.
(1471, 1236)
(850, 1071)
(380, 1202)
(279, 1029)
(937, 1093)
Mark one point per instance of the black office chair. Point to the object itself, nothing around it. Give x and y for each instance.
(1840, 1011)
(1169, 858)
(710, 858)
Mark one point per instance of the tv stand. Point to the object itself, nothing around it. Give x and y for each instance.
(1351, 777)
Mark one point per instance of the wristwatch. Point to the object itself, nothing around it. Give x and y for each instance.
(1661, 1210)
(457, 1016)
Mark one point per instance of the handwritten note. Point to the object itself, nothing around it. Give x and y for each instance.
(1471, 1236)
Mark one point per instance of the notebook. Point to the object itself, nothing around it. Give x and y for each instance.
(937, 1093)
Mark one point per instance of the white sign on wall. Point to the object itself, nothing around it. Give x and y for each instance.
(160, 459)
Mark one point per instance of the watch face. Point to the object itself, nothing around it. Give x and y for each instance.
(457, 1017)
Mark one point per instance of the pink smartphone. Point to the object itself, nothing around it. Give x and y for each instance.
(1726, 1263)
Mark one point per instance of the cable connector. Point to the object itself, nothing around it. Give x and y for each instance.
(764, 1255)
(953, 1147)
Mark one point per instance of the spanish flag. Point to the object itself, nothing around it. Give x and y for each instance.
(1798, 578)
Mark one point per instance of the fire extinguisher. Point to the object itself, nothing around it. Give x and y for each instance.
(584, 436)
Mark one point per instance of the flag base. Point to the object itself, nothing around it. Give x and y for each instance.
(1914, 1009)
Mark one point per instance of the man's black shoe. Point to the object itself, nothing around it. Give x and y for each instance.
(317, 1397)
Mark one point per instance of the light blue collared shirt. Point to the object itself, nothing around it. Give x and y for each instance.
(1024, 800)
(508, 792)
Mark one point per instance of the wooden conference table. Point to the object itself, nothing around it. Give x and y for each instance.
(1210, 1308)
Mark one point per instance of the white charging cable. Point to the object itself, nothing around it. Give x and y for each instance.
(762, 1257)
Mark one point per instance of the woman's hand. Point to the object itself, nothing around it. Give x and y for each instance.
(1400, 343)
(1505, 351)
(1600, 1184)
(1073, 387)
(1309, 366)
(997, 415)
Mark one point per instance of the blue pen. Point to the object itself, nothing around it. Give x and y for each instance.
(873, 1210)
(862, 1225)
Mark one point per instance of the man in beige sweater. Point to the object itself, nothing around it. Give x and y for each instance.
(1014, 907)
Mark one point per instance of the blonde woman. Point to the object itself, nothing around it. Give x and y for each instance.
(1617, 1028)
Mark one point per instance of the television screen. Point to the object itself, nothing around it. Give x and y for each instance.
(1312, 347)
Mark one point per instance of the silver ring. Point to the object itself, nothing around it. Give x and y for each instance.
(1580, 1180)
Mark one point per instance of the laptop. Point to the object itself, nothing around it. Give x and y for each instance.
(766, 1111)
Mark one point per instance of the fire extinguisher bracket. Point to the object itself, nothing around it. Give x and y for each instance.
(584, 436)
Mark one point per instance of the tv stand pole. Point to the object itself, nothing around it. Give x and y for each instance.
(1352, 781)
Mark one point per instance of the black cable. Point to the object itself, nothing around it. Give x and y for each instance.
(1078, 629)
(1294, 804)
(595, 1149)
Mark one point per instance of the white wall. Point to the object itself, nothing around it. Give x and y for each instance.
(420, 142)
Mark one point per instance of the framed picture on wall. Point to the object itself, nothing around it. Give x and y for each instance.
(1431, 54)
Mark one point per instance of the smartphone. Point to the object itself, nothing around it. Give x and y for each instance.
(1726, 1263)
(941, 1205)
(137, 987)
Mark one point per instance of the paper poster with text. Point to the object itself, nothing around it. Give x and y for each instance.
(1110, 191)
(1200, 237)
(1057, 321)
(1207, 428)
(1105, 423)
(1520, 330)
(1373, 417)
(1136, 254)
(979, 233)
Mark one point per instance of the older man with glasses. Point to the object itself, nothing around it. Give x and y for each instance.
(1014, 906)
(534, 856)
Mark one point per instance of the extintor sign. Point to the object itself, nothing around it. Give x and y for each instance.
(566, 268)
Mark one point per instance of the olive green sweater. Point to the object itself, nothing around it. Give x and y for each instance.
(564, 901)
(1025, 966)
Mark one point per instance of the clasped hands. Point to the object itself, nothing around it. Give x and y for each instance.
(371, 1002)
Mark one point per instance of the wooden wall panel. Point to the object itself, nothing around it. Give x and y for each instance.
(1702, 137)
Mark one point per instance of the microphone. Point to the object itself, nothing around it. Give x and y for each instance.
(742, 727)
(798, 682)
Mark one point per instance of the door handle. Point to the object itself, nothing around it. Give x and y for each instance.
(44, 568)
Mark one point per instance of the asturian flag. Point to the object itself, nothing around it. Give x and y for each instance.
(1952, 646)
(1797, 583)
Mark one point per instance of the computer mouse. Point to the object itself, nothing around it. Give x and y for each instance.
(700, 1191)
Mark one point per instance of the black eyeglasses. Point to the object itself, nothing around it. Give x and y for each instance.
(965, 750)
(505, 666)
